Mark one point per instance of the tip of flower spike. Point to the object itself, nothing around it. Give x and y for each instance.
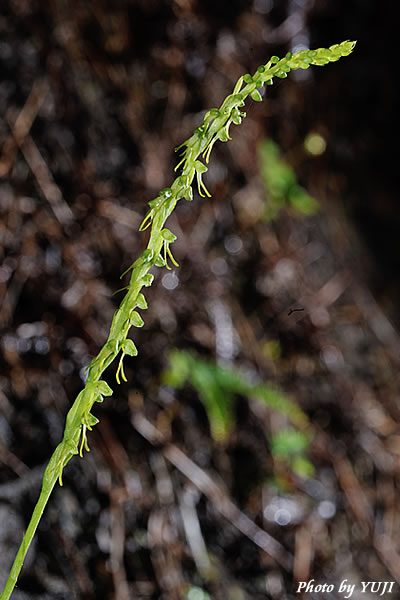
(347, 47)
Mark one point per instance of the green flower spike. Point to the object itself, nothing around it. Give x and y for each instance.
(215, 127)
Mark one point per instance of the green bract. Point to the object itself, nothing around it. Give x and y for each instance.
(141, 302)
(135, 319)
(215, 127)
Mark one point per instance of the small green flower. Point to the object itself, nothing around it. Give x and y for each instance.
(128, 348)
(200, 169)
(168, 238)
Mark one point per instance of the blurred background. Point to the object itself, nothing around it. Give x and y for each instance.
(253, 446)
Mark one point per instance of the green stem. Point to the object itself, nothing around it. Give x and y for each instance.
(27, 539)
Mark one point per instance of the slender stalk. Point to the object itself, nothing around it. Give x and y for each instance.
(215, 127)
(27, 539)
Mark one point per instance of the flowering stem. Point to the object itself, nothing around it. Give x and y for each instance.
(215, 127)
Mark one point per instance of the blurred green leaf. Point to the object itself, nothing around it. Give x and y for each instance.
(178, 371)
(217, 400)
(288, 442)
(281, 184)
(302, 201)
(302, 467)
(217, 387)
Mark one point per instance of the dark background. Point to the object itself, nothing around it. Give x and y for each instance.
(94, 96)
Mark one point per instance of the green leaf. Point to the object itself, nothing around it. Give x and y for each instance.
(302, 201)
(288, 442)
(280, 184)
(280, 403)
(179, 369)
(302, 467)
(217, 401)
(231, 381)
(217, 386)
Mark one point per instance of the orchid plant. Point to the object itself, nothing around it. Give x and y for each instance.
(195, 154)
